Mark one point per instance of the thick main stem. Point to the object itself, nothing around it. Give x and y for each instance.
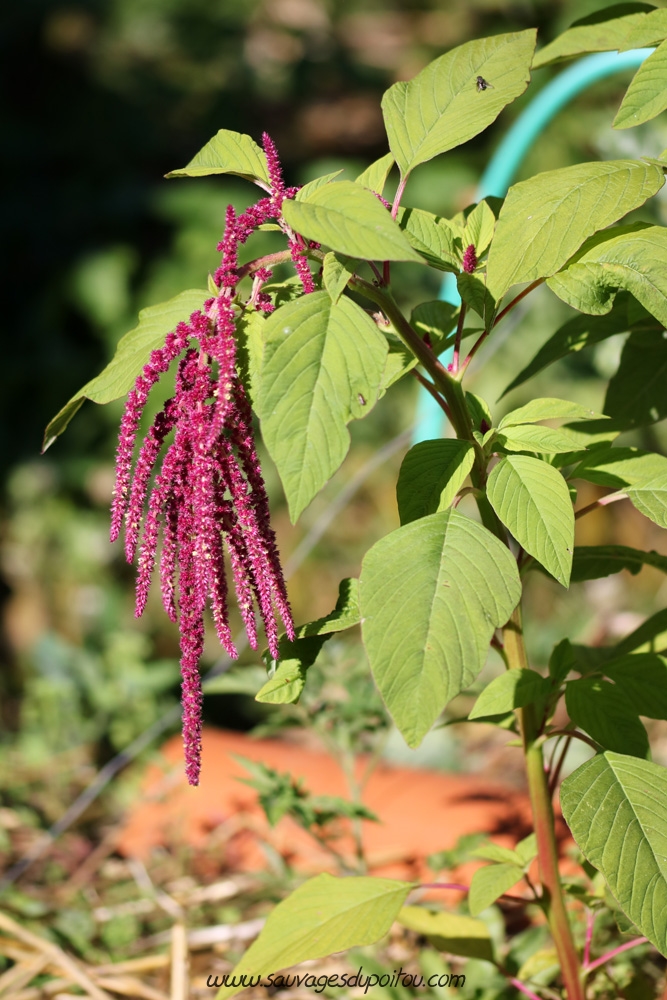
(543, 818)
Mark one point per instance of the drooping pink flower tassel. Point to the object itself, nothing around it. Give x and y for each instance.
(208, 500)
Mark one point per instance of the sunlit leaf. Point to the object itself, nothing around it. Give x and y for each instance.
(491, 882)
(431, 475)
(375, 176)
(431, 594)
(621, 26)
(646, 96)
(616, 808)
(650, 498)
(513, 689)
(449, 932)
(228, 153)
(442, 106)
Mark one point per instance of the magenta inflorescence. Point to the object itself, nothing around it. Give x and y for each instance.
(207, 503)
(469, 259)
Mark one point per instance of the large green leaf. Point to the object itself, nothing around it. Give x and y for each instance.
(616, 808)
(532, 500)
(547, 409)
(619, 467)
(349, 219)
(642, 679)
(287, 674)
(375, 176)
(646, 96)
(431, 594)
(636, 394)
(534, 234)
(542, 440)
(635, 259)
(322, 367)
(623, 26)
(324, 915)
(594, 561)
(433, 237)
(650, 498)
(443, 107)
(490, 882)
(513, 689)
(228, 153)
(450, 932)
(431, 475)
(131, 355)
(602, 710)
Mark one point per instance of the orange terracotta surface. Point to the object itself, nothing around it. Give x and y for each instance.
(420, 811)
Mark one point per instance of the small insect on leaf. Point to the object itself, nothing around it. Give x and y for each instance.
(362, 401)
(483, 84)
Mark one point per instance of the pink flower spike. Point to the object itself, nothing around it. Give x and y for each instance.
(470, 259)
(274, 169)
(301, 267)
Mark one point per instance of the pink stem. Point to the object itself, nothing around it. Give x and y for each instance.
(590, 921)
(602, 502)
(524, 989)
(612, 954)
(399, 194)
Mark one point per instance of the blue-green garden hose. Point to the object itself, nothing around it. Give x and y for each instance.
(505, 162)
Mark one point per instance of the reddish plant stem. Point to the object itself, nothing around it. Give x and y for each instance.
(399, 194)
(445, 885)
(555, 773)
(433, 391)
(612, 954)
(575, 734)
(590, 922)
(543, 817)
(602, 502)
(501, 315)
(522, 988)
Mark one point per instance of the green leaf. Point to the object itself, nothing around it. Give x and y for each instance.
(513, 689)
(595, 561)
(304, 192)
(580, 332)
(635, 259)
(534, 234)
(442, 106)
(489, 883)
(616, 808)
(547, 409)
(345, 615)
(435, 320)
(431, 475)
(474, 292)
(561, 661)
(324, 915)
(287, 674)
(619, 467)
(602, 711)
(646, 96)
(132, 353)
(431, 594)
(229, 153)
(494, 852)
(322, 368)
(400, 360)
(350, 220)
(450, 932)
(636, 394)
(642, 680)
(336, 272)
(249, 350)
(479, 228)
(542, 440)
(527, 849)
(650, 499)
(623, 26)
(532, 500)
(375, 176)
(433, 237)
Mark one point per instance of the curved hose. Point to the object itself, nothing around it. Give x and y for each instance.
(506, 160)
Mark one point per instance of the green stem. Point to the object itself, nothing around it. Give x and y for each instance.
(543, 818)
